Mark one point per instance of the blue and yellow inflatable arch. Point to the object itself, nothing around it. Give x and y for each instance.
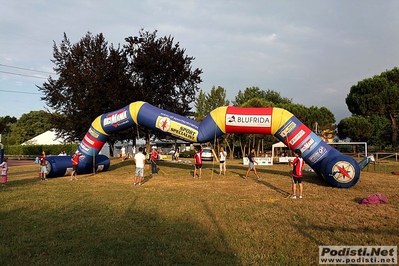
(337, 169)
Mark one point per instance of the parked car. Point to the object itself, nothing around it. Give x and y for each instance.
(207, 154)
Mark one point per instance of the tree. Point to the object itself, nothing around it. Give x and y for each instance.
(95, 78)
(254, 97)
(162, 74)
(379, 96)
(255, 92)
(200, 107)
(357, 128)
(375, 129)
(381, 135)
(28, 126)
(6, 124)
(257, 102)
(207, 102)
(216, 98)
(92, 80)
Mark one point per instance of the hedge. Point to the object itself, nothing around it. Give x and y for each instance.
(36, 150)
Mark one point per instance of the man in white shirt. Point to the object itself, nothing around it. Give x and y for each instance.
(139, 159)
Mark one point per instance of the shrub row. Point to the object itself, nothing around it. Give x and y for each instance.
(36, 150)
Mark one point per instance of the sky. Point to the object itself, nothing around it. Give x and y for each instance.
(310, 51)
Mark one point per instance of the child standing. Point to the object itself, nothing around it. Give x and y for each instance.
(198, 162)
(43, 166)
(4, 170)
(297, 175)
(75, 165)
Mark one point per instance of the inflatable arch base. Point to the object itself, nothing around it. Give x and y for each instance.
(61, 165)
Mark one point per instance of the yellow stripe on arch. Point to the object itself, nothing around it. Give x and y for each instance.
(134, 109)
(279, 118)
(219, 116)
(97, 125)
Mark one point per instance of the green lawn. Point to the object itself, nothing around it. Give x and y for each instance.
(174, 219)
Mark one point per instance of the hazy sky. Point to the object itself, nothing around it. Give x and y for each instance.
(309, 51)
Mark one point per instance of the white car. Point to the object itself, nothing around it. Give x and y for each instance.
(207, 154)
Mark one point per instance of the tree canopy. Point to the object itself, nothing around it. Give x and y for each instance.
(96, 78)
(28, 126)
(162, 72)
(92, 80)
(254, 92)
(206, 102)
(5, 123)
(378, 96)
(357, 128)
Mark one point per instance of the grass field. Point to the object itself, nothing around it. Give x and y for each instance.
(174, 219)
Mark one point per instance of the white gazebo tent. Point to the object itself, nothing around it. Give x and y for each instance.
(277, 145)
(46, 138)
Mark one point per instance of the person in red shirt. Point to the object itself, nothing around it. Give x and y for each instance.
(154, 159)
(198, 161)
(75, 164)
(43, 166)
(297, 175)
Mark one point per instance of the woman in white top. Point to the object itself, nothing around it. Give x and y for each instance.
(222, 160)
(4, 171)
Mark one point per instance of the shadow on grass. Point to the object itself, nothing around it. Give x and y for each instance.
(309, 177)
(277, 189)
(220, 235)
(88, 233)
(337, 234)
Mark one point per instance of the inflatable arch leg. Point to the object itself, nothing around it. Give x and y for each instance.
(337, 169)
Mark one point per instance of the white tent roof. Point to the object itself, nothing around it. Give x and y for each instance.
(277, 145)
(46, 138)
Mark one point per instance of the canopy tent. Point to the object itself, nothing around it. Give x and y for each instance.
(46, 138)
(277, 145)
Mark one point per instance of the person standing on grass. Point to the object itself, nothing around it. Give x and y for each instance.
(198, 161)
(123, 152)
(75, 164)
(139, 160)
(43, 166)
(297, 175)
(154, 159)
(177, 154)
(222, 160)
(4, 171)
(251, 164)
